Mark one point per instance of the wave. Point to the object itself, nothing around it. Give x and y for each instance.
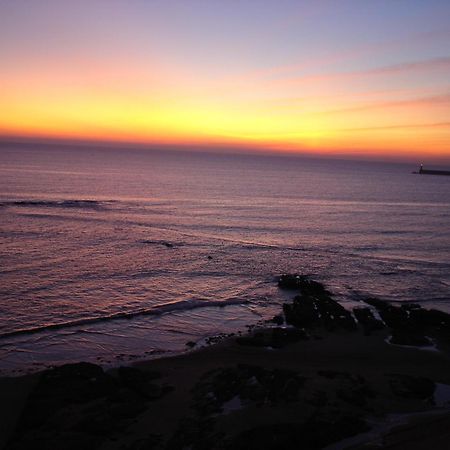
(55, 203)
(423, 301)
(396, 232)
(183, 305)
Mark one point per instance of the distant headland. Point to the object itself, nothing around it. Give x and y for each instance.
(423, 171)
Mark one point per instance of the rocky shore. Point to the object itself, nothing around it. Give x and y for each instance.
(317, 376)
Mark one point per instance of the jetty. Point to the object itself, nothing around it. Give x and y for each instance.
(423, 171)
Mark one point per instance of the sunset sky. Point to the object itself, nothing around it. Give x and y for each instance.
(355, 77)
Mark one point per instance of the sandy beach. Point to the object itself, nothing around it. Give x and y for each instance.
(324, 383)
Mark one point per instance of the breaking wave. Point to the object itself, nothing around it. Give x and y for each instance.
(55, 203)
(183, 305)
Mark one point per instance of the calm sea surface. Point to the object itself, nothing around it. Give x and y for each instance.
(112, 255)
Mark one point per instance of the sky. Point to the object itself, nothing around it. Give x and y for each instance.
(356, 77)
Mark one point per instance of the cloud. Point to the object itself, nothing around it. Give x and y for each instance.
(400, 127)
(401, 68)
(433, 63)
(432, 100)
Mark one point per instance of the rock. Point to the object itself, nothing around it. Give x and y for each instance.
(273, 337)
(302, 313)
(254, 340)
(351, 388)
(353, 396)
(431, 319)
(149, 443)
(128, 410)
(290, 389)
(87, 382)
(332, 374)
(408, 386)
(307, 311)
(303, 284)
(376, 302)
(409, 337)
(133, 374)
(318, 398)
(367, 320)
(410, 323)
(284, 336)
(100, 424)
(315, 433)
(395, 317)
(289, 281)
(314, 307)
(195, 434)
(140, 382)
(278, 319)
(249, 383)
(285, 436)
(410, 306)
(82, 406)
(353, 379)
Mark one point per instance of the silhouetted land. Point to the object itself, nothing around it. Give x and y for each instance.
(379, 374)
(423, 171)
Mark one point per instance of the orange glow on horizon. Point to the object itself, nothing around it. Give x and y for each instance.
(312, 127)
(179, 112)
(142, 87)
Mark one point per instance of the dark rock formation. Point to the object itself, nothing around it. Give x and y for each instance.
(249, 383)
(350, 388)
(316, 433)
(274, 337)
(314, 307)
(151, 442)
(366, 318)
(278, 319)
(302, 283)
(196, 434)
(141, 383)
(411, 324)
(408, 386)
(307, 311)
(410, 337)
(80, 406)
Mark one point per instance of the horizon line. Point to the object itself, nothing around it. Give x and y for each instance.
(370, 155)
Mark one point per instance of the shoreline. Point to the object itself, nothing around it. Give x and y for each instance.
(318, 381)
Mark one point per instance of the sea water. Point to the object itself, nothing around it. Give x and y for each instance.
(110, 255)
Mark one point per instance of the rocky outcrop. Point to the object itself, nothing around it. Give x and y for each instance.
(78, 406)
(316, 433)
(314, 307)
(272, 337)
(308, 311)
(302, 283)
(411, 324)
(251, 384)
(407, 386)
(367, 320)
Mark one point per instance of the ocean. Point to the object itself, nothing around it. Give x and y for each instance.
(112, 255)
